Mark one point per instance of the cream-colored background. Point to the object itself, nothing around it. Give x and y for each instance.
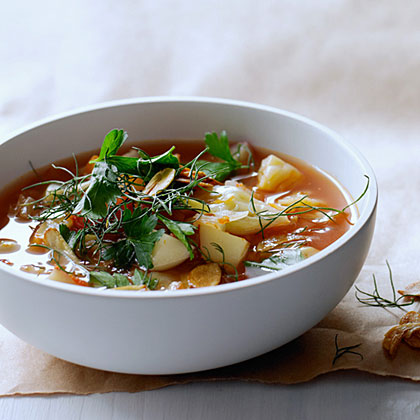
(352, 65)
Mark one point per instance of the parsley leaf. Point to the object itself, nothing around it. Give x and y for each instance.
(216, 170)
(219, 147)
(141, 234)
(101, 278)
(144, 247)
(141, 237)
(138, 222)
(165, 160)
(122, 252)
(104, 279)
(65, 232)
(124, 164)
(121, 280)
(103, 189)
(141, 277)
(111, 144)
(73, 238)
(145, 166)
(181, 230)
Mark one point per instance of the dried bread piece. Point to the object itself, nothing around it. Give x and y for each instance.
(408, 330)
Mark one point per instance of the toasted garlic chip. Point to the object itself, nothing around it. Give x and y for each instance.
(407, 330)
(205, 275)
(159, 181)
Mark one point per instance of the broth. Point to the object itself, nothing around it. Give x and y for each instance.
(311, 230)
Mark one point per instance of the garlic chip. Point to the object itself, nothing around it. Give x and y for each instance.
(205, 275)
(407, 330)
(160, 181)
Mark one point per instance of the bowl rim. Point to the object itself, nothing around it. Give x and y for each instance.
(372, 195)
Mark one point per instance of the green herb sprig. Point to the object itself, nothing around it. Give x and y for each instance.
(110, 281)
(375, 299)
(266, 219)
(122, 223)
(341, 351)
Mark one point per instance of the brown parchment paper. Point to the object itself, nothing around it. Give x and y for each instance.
(351, 65)
(26, 370)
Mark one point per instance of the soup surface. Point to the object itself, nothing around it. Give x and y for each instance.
(169, 217)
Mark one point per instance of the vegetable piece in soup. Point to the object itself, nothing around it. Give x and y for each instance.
(169, 215)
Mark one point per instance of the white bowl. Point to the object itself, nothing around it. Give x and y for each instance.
(185, 330)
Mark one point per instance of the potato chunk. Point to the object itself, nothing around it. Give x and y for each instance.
(234, 247)
(168, 252)
(275, 174)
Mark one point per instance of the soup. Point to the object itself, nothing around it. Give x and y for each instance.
(169, 217)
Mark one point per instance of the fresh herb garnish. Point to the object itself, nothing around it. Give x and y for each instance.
(181, 230)
(218, 146)
(116, 214)
(102, 191)
(142, 278)
(111, 144)
(105, 279)
(266, 219)
(341, 351)
(216, 170)
(144, 166)
(75, 238)
(375, 299)
(223, 263)
(139, 241)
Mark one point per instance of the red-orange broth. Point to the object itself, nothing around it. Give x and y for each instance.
(314, 183)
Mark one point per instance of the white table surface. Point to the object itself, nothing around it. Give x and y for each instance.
(340, 395)
(349, 64)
